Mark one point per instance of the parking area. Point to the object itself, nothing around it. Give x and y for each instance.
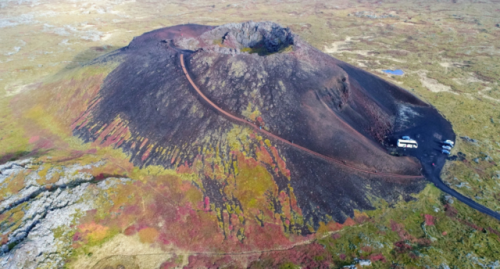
(430, 133)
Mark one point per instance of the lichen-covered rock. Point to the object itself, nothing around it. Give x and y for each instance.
(30, 218)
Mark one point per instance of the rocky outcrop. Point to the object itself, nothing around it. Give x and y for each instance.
(31, 217)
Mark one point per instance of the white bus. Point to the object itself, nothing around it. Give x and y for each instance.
(407, 143)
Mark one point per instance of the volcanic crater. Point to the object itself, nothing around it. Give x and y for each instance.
(210, 100)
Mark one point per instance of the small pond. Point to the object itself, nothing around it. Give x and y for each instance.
(397, 72)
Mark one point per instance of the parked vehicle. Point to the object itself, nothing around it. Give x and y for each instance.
(446, 147)
(444, 151)
(407, 143)
(449, 143)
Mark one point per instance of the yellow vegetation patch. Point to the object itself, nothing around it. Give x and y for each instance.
(148, 235)
(54, 175)
(12, 185)
(252, 181)
(12, 218)
(93, 232)
(121, 245)
(251, 113)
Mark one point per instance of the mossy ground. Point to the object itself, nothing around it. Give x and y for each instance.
(453, 44)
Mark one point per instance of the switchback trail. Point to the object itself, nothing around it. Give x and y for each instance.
(256, 128)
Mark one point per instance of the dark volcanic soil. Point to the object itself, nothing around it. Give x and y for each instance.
(328, 119)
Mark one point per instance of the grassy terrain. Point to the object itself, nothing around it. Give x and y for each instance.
(448, 51)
